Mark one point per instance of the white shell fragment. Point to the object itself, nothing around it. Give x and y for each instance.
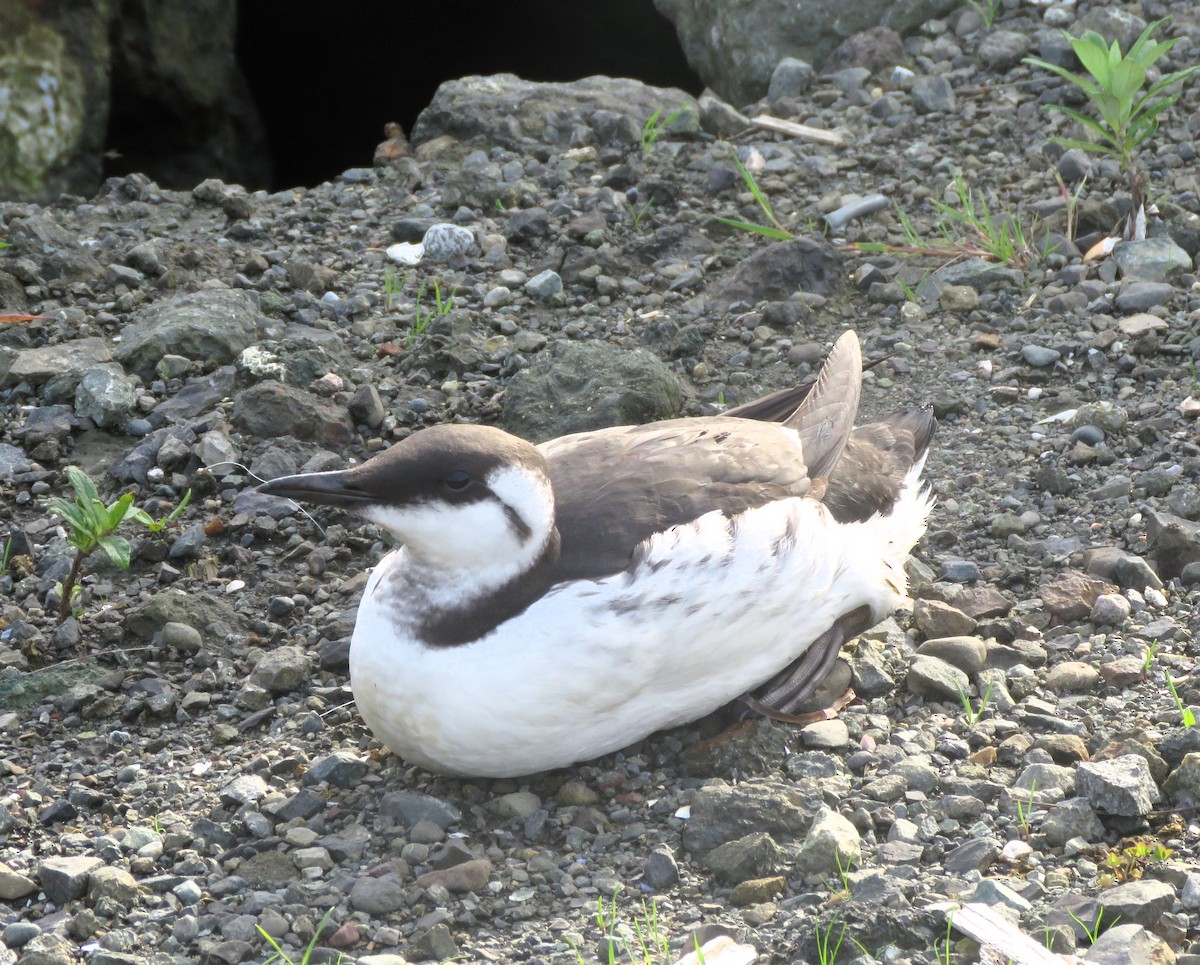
(406, 253)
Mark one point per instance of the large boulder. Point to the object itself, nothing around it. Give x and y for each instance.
(735, 46)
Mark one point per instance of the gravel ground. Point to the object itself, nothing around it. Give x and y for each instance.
(183, 768)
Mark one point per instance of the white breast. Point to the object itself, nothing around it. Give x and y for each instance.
(593, 666)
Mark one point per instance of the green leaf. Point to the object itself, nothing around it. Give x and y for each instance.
(139, 515)
(82, 483)
(117, 548)
(1127, 79)
(1094, 54)
(777, 233)
(116, 512)
(1077, 79)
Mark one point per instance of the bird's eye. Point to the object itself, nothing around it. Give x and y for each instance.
(458, 480)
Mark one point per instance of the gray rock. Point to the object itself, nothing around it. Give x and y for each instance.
(13, 884)
(1137, 296)
(408, 807)
(721, 814)
(448, 243)
(1121, 786)
(437, 944)
(1129, 944)
(12, 461)
(790, 78)
(826, 735)
(545, 284)
(244, 789)
(937, 619)
(1075, 164)
(341, 769)
(959, 571)
(213, 325)
(1072, 818)
(968, 654)
(64, 879)
(993, 892)
(1002, 49)
(935, 679)
(735, 46)
(1153, 259)
(49, 948)
(271, 409)
(755, 855)
(1141, 902)
(932, 94)
(976, 854)
(777, 271)
(504, 110)
(281, 670)
(660, 871)
(576, 386)
(366, 406)
(1110, 609)
(38, 365)
(114, 884)
(1174, 542)
(832, 844)
(459, 879)
(1039, 357)
(105, 394)
(377, 896)
(19, 933)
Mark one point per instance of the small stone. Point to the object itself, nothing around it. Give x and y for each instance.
(377, 896)
(518, 804)
(752, 856)
(935, 679)
(409, 807)
(14, 885)
(244, 789)
(181, 637)
(832, 842)
(1072, 677)
(1110, 609)
(545, 284)
(790, 78)
(932, 94)
(1151, 259)
(826, 735)
(1039, 356)
(968, 654)
(341, 769)
(470, 876)
(992, 892)
(1130, 944)
(436, 945)
(448, 243)
(756, 891)
(281, 670)
(1121, 786)
(64, 879)
(934, 618)
(1141, 902)
(959, 571)
(661, 870)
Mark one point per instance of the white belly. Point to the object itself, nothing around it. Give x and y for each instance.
(596, 665)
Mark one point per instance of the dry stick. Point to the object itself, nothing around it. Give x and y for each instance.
(64, 606)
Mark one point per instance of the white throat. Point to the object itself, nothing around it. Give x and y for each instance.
(484, 543)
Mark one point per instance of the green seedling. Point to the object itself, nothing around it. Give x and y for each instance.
(774, 229)
(974, 713)
(943, 957)
(1148, 657)
(655, 125)
(94, 526)
(1025, 810)
(969, 230)
(1071, 198)
(423, 316)
(1094, 931)
(987, 11)
(1126, 115)
(391, 286)
(1189, 719)
(282, 956)
(828, 945)
(6, 556)
(638, 213)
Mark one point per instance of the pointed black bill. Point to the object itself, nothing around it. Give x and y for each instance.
(324, 488)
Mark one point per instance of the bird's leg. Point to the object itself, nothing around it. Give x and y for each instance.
(797, 682)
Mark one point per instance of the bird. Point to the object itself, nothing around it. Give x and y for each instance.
(549, 604)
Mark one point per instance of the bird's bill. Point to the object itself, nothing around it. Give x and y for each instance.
(324, 488)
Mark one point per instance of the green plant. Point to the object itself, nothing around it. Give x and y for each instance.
(6, 557)
(1094, 931)
(1025, 810)
(974, 713)
(391, 286)
(987, 10)
(655, 125)
(638, 213)
(1148, 657)
(969, 229)
(93, 526)
(775, 229)
(1189, 719)
(282, 956)
(827, 946)
(1130, 863)
(943, 957)
(423, 316)
(1127, 116)
(645, 941)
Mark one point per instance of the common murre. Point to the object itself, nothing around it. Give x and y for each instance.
(557, 602)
